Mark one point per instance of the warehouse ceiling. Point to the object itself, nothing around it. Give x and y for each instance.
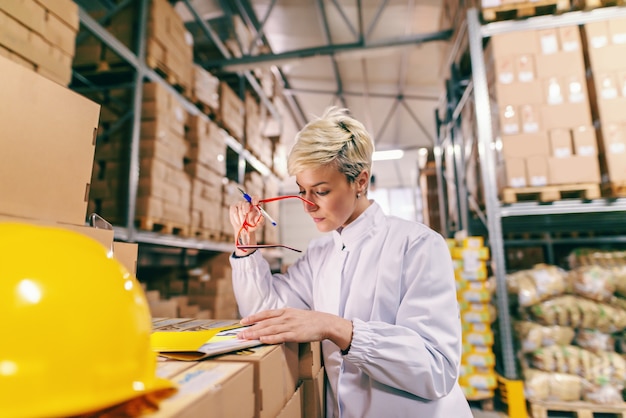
(381, 59)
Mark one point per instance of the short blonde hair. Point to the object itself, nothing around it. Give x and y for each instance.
(334, 138)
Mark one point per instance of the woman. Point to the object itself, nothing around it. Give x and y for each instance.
(378, 291)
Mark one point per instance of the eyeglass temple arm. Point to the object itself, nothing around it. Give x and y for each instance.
(273, 199)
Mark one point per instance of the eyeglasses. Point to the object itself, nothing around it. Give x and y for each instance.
(239, 242)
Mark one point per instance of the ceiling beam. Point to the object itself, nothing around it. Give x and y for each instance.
(238, 64)
(294, 91)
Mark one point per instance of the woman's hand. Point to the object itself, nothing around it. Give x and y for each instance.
(248, 212)
(296, 325)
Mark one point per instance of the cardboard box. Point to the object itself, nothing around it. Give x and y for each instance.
(509, 120)
(314, 396)
(522, 42)
(566, 115)
(505, 69)
(530, 118)
(293, 408)
(525, 145)
(560, 143)
(548, 40)
(537, 171)
(569, 38)
(574, 169)
(608, 58)
(596, 34)
(515, 172)
(525, 68)
(211, 390)
(612, 111)
(309, 359)
(272, 384)
(585, 141)
(560, 64)
(606, 85)
(517, 93)
(47, 145)
(126, 253)
(617, 30)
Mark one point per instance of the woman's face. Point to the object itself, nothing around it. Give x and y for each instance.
(336, 204)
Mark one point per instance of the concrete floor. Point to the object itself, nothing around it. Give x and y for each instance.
(479, 413)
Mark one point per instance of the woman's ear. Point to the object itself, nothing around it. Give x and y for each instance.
(362, 181)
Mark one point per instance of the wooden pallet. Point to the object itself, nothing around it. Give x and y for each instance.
(168, 75)
(545, 409)
(206, 234)
(551, 193)
(595, 4)
(614, 189)
(161, 226)
(524, 9)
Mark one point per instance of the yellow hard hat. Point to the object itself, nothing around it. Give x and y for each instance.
(74, 326)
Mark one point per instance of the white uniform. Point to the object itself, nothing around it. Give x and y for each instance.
(394, 279)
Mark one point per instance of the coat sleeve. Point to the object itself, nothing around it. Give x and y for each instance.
(420, 353)
(257, 289)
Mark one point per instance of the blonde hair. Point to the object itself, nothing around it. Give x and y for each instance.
(334, 138)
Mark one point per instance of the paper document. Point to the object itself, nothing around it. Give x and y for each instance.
(204, 339)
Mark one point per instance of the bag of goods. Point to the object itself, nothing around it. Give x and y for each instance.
(593, 282)
(533, 336)
(537, 284)
(594, 340)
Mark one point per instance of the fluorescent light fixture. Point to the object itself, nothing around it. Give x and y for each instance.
(392, 154)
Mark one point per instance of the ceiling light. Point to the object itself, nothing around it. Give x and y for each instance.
(392, 154)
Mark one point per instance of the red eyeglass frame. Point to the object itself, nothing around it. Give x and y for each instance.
(246, 224)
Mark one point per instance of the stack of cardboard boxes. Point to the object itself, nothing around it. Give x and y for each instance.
(606, 52)
(207, 167)
(545, 116)
(40, 35)
(164, 192)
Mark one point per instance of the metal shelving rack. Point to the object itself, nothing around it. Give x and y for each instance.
(138, 62)
(451, 141)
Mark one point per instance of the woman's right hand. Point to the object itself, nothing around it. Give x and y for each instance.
(244, 211)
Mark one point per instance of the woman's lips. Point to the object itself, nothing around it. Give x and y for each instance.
(317, 220)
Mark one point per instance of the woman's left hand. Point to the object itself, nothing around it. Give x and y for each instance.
(276, 326)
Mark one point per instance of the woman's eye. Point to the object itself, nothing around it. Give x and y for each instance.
(301, 192)
(321, 193)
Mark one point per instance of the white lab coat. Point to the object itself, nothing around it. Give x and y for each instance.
(394, 279)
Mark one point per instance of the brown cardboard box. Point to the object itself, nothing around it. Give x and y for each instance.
(537, 170)
(612, 111)
(211, 389)
(522, 42)
(596, 34)
(569, 38)
(509, 120)
(606, 85)
(617, 30)
(608, 58)
(126, 253)
(560, 64)
(566, 115)
(530, 118)
(517, 93)
(575, 89)
(585, 141)
(615, 167)
(44, 129)
(574, 169)
(525, 145)
(560, 143)
(548, 40)
(553, 91)
(525, 68)
(515, 172)
(271, 383)
(314, 396)
(309, 359)
(505, 69)
(293, 408)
